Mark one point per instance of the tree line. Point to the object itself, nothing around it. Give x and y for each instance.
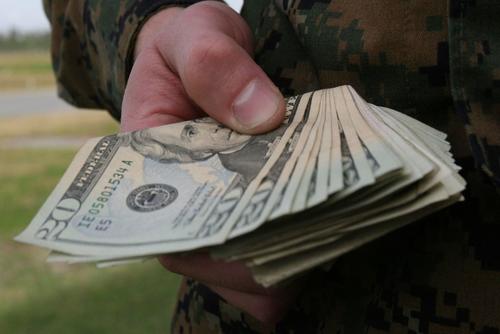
(15, 41)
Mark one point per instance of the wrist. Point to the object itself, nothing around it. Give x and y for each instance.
(154, 24)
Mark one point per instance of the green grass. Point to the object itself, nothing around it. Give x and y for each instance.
(135, 299)
(26, 179)
(25, 70)
(78, 123)
(37, 297)
(35, 66)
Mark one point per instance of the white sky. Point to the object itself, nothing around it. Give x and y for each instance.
(28, 15)
(24, 15)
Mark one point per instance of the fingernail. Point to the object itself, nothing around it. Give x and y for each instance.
(256, 104)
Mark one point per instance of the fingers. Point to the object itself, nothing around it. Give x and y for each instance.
(267, 309)
(194, 59)
(154, 95)
(219, 75)
(224, 81)
(233, 282)
(231, 275)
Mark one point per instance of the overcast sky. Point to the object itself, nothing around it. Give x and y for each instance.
(28, 15)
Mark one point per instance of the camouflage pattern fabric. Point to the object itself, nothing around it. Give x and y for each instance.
(436, 60)
(475, 69)
(438, 276)
(92, 47)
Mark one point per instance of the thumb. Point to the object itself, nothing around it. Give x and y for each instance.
(221, 78)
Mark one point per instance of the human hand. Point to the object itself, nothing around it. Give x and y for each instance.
(194, 61)
(198, 60)
(233, 282)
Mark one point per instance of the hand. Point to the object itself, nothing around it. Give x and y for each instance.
(194, 61)
(198, 60)
(233, 282)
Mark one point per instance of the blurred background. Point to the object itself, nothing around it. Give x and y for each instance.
(39, 134)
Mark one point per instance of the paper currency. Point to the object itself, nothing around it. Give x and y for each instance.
(338, 173)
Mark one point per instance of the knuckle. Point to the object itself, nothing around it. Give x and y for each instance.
(208, 52)
(169, 262)
(207, 9)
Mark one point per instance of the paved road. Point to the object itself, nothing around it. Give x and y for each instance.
(31, 102)
(43, 142)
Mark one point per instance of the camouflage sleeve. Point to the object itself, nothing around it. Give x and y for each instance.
(92, 45)
(475, 70)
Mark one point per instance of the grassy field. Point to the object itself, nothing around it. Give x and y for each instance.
(37, 297)
(25, 70)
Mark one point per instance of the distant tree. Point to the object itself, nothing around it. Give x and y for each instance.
(15, 40)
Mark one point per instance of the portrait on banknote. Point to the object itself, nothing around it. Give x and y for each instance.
(202, 139)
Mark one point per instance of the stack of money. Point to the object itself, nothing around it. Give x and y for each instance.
(338, 173)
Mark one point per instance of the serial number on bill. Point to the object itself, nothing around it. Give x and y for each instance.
(91, 219)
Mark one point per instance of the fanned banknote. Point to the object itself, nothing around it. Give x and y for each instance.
(338, 173)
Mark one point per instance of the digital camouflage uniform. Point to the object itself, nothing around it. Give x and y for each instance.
(436, 60)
